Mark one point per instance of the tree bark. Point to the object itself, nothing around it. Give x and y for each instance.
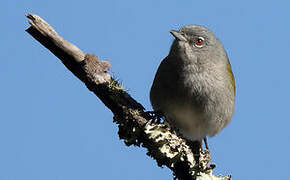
(136, 126)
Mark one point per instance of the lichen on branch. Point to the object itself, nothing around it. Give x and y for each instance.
(136, 126)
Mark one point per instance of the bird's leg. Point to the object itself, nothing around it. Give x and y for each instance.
(205, 143)
(207, 156)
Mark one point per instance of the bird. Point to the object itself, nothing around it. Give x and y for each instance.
(194, 86)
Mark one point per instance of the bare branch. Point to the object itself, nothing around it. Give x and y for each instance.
(136, 126)
(55, 42)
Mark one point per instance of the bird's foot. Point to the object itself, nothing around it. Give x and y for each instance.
(156, 116)
(205, 161)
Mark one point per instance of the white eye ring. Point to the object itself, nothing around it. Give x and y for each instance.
(199, 42)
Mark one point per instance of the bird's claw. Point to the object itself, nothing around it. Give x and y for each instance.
(155, 116)
(204, 161)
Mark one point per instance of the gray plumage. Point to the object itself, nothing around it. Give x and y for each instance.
(194, 86)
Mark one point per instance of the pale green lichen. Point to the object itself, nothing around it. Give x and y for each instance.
(173, 147)
(115, 86)
(134, 112)
(169, 144)
(210, 176)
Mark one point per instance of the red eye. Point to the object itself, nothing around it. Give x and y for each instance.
(199, 42)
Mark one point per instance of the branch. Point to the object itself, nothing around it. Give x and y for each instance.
(136, 126)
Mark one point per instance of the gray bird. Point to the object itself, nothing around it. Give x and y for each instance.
(194, 86)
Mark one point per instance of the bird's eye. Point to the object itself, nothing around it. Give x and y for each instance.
(199, 42)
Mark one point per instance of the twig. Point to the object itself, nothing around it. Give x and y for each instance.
(136, 126)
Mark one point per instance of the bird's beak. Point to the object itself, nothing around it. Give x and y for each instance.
(178, 35)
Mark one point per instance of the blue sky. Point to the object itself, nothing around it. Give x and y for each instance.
(52, 127)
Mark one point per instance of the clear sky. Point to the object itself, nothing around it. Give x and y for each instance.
(53, 128)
